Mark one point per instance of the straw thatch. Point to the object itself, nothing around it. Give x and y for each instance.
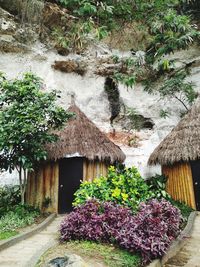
(182, 144)
(82, 138)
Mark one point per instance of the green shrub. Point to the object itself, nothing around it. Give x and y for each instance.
(157, 185)
(19, 216)
(122, 185)
(7, 234)
(9, 197)
(125, 186)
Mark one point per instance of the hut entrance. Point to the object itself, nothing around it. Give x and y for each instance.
(195, 166)
(70, 174)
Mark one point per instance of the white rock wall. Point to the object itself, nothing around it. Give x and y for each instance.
(90, 97)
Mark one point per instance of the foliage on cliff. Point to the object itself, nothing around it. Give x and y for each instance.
(168, 26)
(169, 29)
(150, 29)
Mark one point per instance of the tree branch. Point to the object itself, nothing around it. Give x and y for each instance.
(181, 102)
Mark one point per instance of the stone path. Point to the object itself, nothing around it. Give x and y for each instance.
(24, 253)
(189, 255)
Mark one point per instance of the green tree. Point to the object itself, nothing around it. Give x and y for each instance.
(28, 117)
(170, 32)
(175, 87)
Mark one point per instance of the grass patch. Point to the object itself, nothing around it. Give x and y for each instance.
(94, 254)
(7, 234)
(109, 254)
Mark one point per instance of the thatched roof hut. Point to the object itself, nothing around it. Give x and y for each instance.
(81, 153)
(182, 143)
(179, 156)
(81, 137)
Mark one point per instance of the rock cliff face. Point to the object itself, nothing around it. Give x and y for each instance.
(21, 51)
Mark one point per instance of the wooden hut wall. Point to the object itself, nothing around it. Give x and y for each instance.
(94, 169)
(180, 184)
(42, 185)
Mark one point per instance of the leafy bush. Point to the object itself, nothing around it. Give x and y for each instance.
(171, 32)
(95, 221)
(19, 216)
(157, 185)
(168, 29)
(150, 232)
(175, 87)
(122, 185)
(9, 197)
(102, 12)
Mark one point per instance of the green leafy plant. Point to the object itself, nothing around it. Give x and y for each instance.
(122, 185)
(76, 38)
(157, 185)
(7, 234)
(126, 79)
(101, 32)
(171, 32)
(18, 217)
(168, 25)
(175, 87)
(27, 118)
(61, 40)
(46, 202)
(116, 59)
(165, 65)
(9, 197)
(164, 113)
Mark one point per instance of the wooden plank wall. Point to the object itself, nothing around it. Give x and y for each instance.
(180, 183)
(43, 184)
(94, 169)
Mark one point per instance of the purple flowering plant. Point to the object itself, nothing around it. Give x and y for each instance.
(149, 232)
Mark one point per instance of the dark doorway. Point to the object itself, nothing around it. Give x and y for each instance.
(195, 166)
(70, 174)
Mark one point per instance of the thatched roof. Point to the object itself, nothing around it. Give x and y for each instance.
(82, 138)
(182, 143)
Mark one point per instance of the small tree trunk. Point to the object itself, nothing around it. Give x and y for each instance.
(22, 197)
(22, 182)
(24, 185)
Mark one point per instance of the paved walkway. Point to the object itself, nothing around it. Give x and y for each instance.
(189, 255)
(23, 254)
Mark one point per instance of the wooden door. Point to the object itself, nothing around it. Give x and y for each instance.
(70, 175)
(195, 167)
